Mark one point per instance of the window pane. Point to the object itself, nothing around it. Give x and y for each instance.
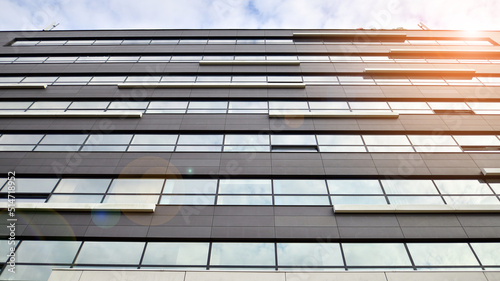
(201, 139)
(110, 253)
(339, 140)
(15, 105)
(242, 254)
(248, 104)
(368, 105)
(89, 105)
(47, 251)
(244, 200)
(386, 140)
(64, 139)
(155, 139)
(136, 186)
(168, 105)
(20, 139)
(471, 200)
(432, 140)
(72, 198)
(409, 187)
(132, 199)
(379, 254)
(299, 187)
(128, 105)
(159, 253)
(293, 140)
(187, 200)
(246, 140)
(109, 139)
(448, 106)
(33, 185)
(328, 105)
(354, 187)
(39, 80)
(462, 187)
(404, 200)
(288, 105)
(477, 140)
(190, 186)
(487, 253)
(302, 200)
(245, 187)
(441, 254)
(309, 254)
(29, 272)
(207, 105)
(358, 200)
(83, 186)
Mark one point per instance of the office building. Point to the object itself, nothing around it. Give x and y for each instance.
(250, 154)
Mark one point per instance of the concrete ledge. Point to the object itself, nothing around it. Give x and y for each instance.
(416, 208)
(491, 171)
(72, 114)
(420, 71)
(250, 62)
(78, 274)
(84, 207)
(23, 86)
(214, 85)
(277, 113)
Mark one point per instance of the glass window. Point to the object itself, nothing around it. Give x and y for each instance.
(188, 186)
(186, 58)
(448, 106)
(487, 253)
(358, 200)
(136, 186)
(132, 199)
(281, 58)
(135, 42)
(246, 140)
(432, 140)
(409, 187)
(29, 272)
(462, 187)
(107, 80)
(207, 105)
(200, 139)
(47, 251)
(248, 105)
(477, 140)
(309, 254)
(108, 139)
(251, 148)
(15, 104)
(250, 58)
(314, 58)
(344, 148)
(10, 79)
(288, 105)
(108, 42)
(187, 200)
(213, 79)
(301, 200)
(143, 79)
(73, 198)
(354, 187)
(328, 105)
(251, 79)
(255, 254)
(164, 42)
(284, 79)
(163, 253)
(17, 147)
(293, 140)
(442, 254)
(123, 59)
(50, 105)
(164, 148)
(386, 140)
(104, 148)
(339, 140)
(31, 59)
(110, 253)
(89, 105)
(199, 148)
(39, 80)
(25, 43)
(154, 59)
(33, 185)
(375, 254)
(80, 42)
(63, 139)
(168, 105)
(92, 59)
(20, 139)
(82, 186)
(471, 200)
(406, 200)
(74, 80)
(484, 105)
(355, 80)
(409, 105)
(245, 187)
(368, 105)
(390, 149)
(299, 187)
(250, 41)
(244, 200)
(154, 139)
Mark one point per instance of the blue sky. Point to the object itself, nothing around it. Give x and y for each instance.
(112, 14)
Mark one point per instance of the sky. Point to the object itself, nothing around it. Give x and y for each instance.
(249, 14)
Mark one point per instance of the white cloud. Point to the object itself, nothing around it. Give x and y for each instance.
(110, 14)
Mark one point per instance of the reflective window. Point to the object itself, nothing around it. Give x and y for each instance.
(188, 186)
(358, 200)
(136, 186)
(187, 200)
(293, 140)
(89, 105)
(82, 186)
(375, 254)
(487, 253)
(15, 105)
(471, 200)
(258, 254)
(477, 140)
(415, 200)
(47, 251)
(58, 198)
(99, 253)
(245, 187)
(131, 199)
(442, 254)
(160, 253)
(168, 105)
(386, 140)
(29, 272)
(63, 139)
(288, 105)
(154, 139)
(432, 140)
(299, 187)
(108, 139)
(462, 187)
(368, 105)
(200, 139)
(33, 185)
(20, 139)
(246, 140)
(339, 140)
(301, 200)
(244, 200)
(328, 105)
(409, 187)
(207, 105)
(354, 187)
(309, 254)
(128, 105)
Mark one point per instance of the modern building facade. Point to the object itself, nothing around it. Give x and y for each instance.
(250, 154)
